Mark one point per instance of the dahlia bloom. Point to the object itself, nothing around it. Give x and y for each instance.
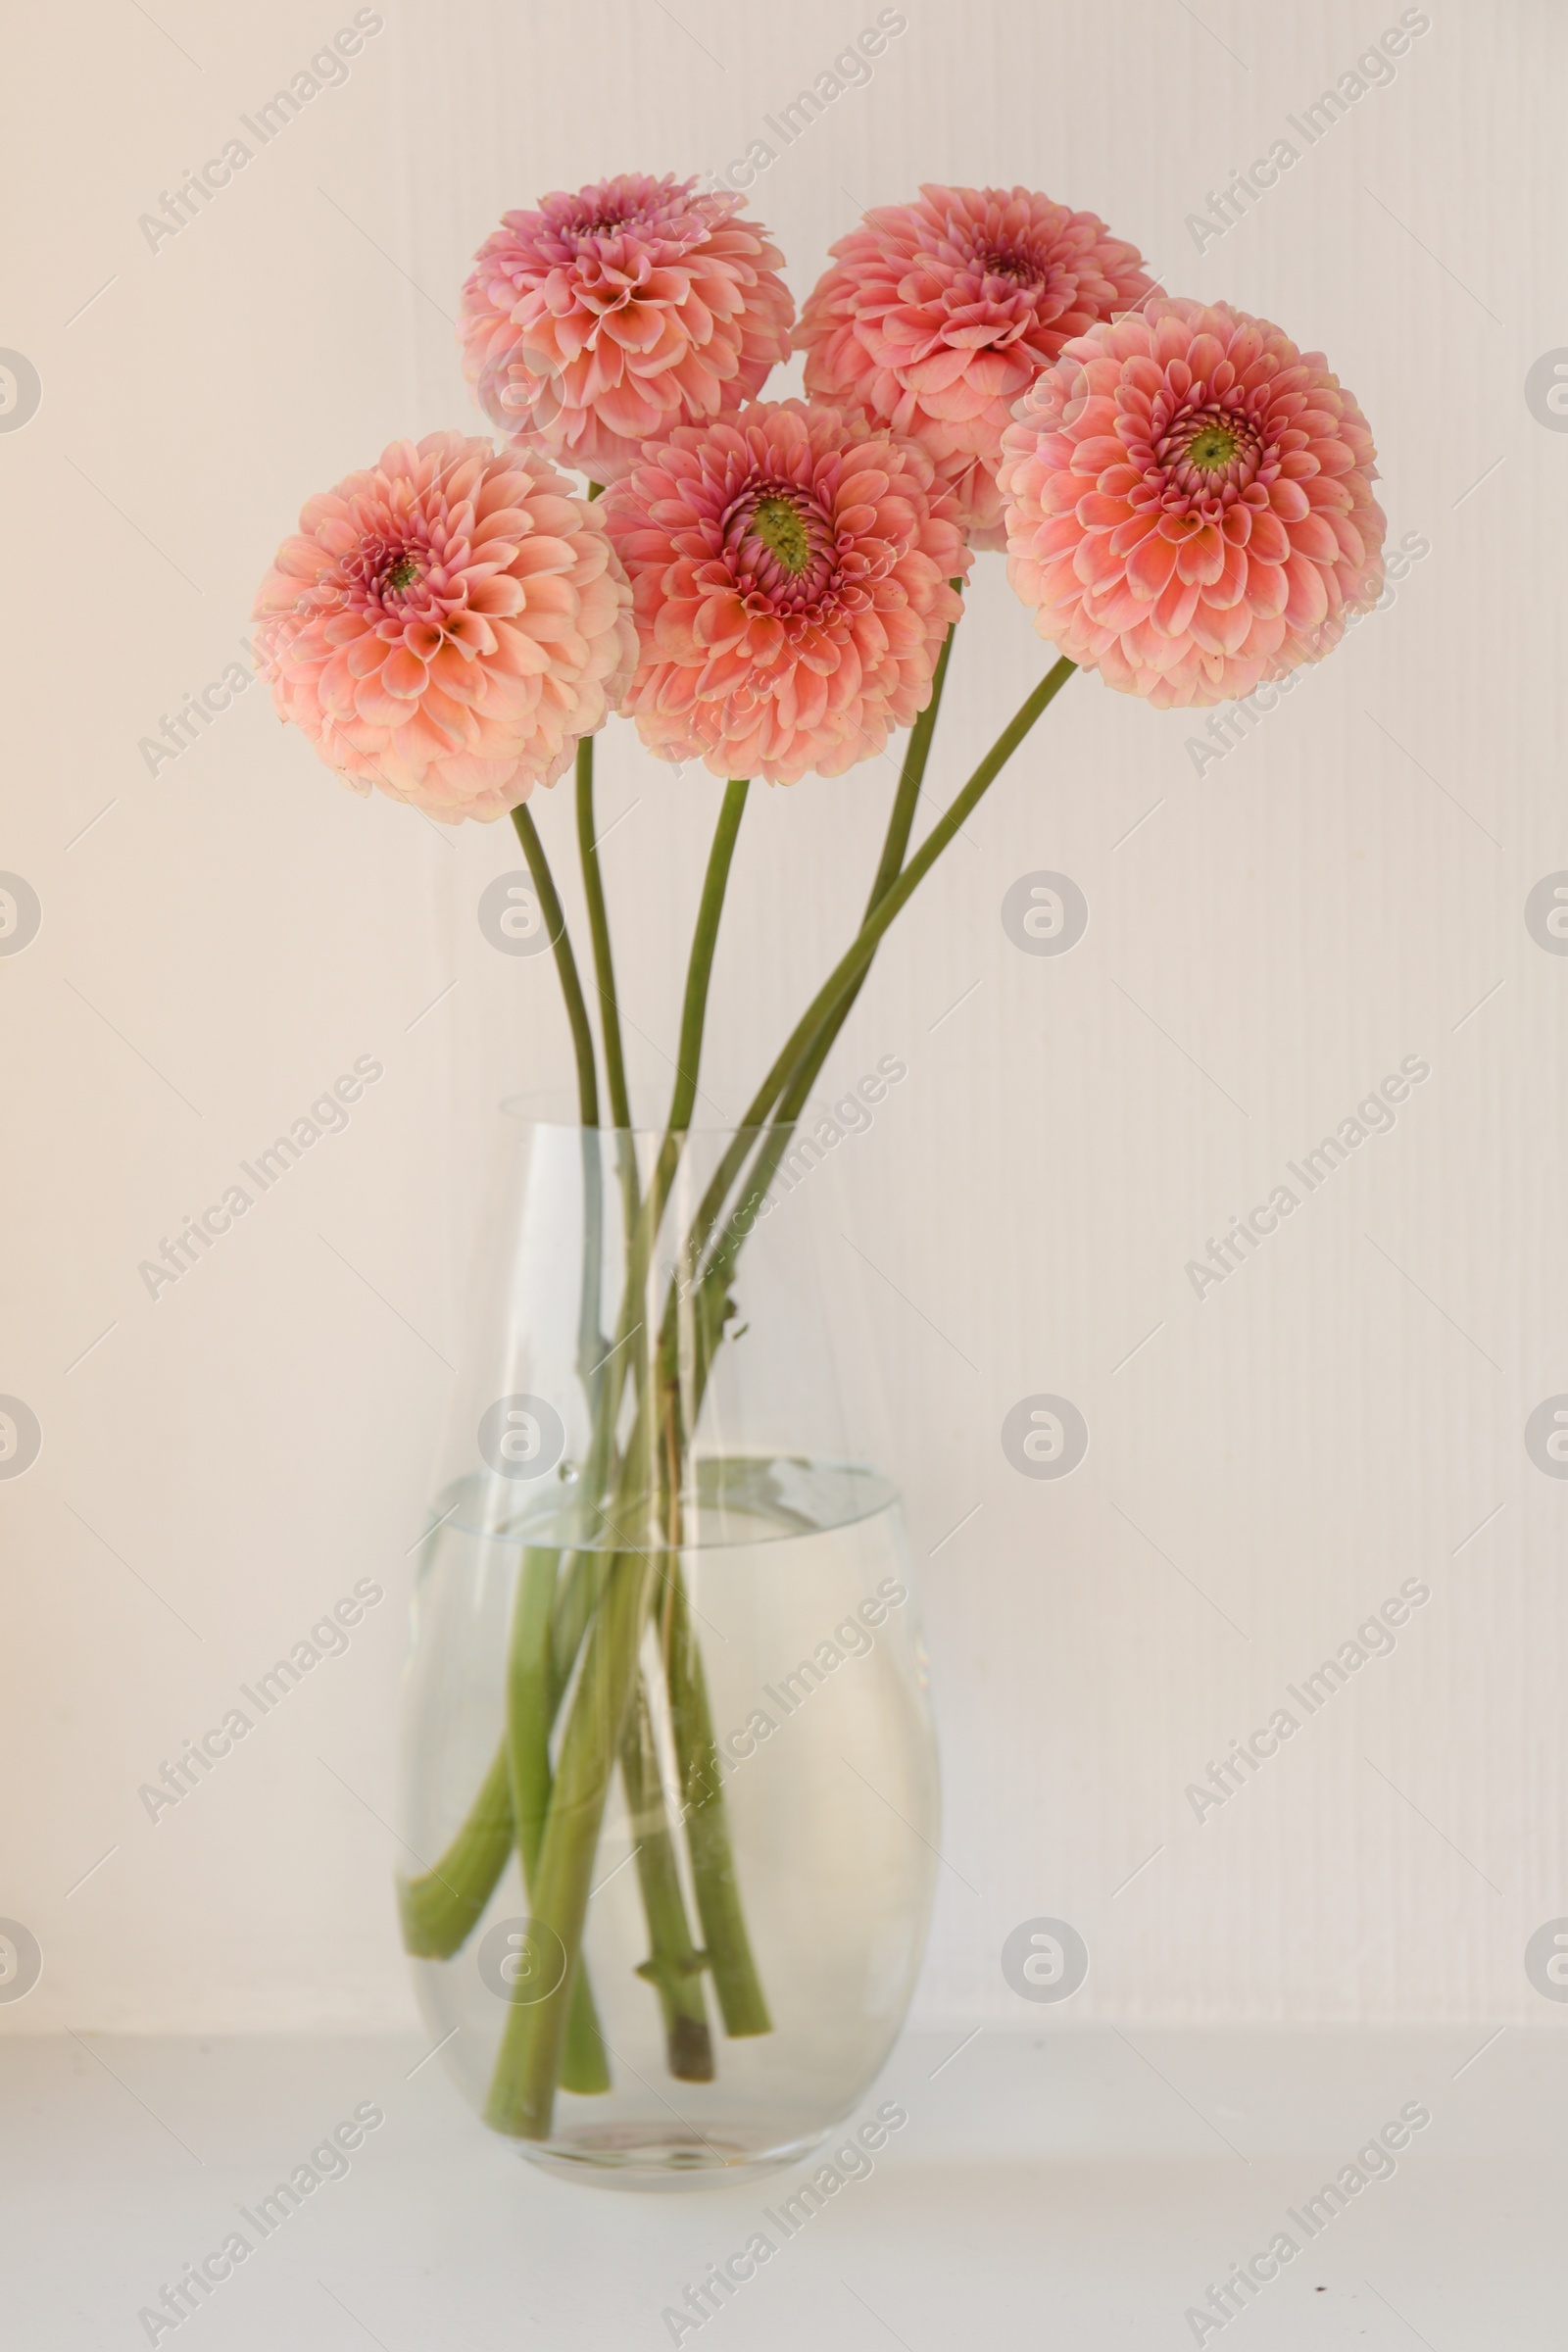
(1190, 504)
(447, 626)
(603, 318)
(789, 568)
(938, 316)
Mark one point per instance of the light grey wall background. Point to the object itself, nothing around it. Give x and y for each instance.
(1345, 889)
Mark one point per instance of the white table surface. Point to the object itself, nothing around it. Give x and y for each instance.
(1080, 2187)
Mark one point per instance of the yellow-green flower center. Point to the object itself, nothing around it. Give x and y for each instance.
(778, 525)
(403, 575)
(1212, 449)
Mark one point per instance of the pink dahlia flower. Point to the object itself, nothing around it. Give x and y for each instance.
(447, 626)
(599, 320)
(938, 315)
(789, 568)
(1191, 504)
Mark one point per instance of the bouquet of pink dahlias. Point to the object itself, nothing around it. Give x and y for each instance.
(769, 588)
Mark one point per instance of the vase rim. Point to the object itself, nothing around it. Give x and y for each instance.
(553, 1110)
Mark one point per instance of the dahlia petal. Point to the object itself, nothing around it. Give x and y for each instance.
(1289, 502)
(1231, 586)
(365, 655)
(1094, 561)
(1200, 555)
(1270, 541)
(503, 597)
(1117, 609)
(1174, 608)
(1099, 512)
(1267, 588)
(518, 655)
(1231, 624)
(1129, 535)
(1307, 603)
(1151, 564)
(373, 702)
(1312, 536)
(404, 675)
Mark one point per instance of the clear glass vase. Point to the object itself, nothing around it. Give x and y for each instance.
(668, 1764)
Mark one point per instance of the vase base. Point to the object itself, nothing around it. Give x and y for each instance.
(653, 2156)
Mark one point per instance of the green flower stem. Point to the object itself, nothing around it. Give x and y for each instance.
(590, 1344)
(530, 1715)
(440, 1909)
(911, 776)
(528, 1709)
(736, 1984)
(693, 1021)
(674, 1966)
(599, 931)
(576, 1597)
(700, 966)
(582, 1035)
(523, 2089)
(741, 1999)
(593, 884)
